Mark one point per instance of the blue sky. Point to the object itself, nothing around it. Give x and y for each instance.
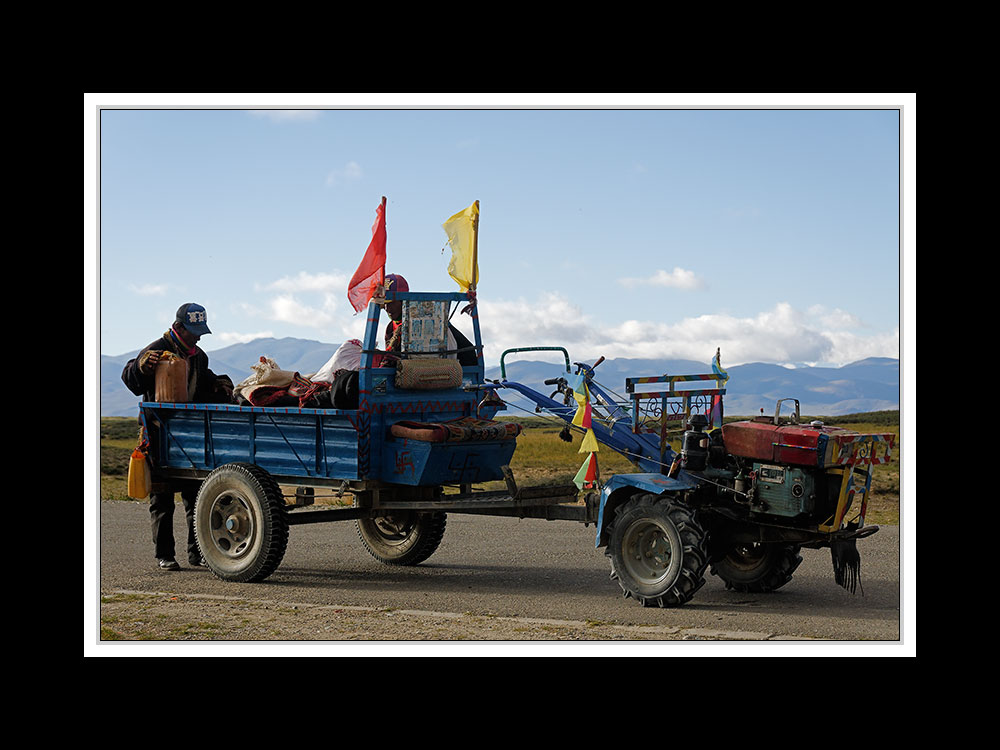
(773, 234)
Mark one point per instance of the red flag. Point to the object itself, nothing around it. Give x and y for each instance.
(371, 272)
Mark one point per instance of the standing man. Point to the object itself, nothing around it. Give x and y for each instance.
(139, 376)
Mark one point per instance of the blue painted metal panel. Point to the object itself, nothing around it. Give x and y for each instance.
(413, 462)
(296, 442)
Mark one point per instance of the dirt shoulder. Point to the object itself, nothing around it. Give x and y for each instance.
(153, 617)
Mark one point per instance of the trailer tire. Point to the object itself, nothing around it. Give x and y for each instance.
(758, 568)
(403, 538)
(241, 523)
(658, 551)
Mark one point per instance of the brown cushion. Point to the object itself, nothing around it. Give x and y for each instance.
(461, 430)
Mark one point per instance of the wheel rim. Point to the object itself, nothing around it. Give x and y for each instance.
(649, 552)
(393, 529)
(747, 557)
(232, 524)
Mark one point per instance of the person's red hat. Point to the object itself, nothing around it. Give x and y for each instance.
(395, 283)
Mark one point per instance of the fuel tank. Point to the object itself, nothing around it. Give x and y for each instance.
(815, 444)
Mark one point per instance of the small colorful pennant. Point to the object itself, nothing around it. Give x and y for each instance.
(589, 444)
(587, 474)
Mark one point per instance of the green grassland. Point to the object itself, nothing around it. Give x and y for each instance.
(543, 458)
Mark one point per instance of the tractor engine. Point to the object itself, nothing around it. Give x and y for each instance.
(809, 473)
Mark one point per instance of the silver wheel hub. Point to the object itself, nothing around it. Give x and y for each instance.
(232, 524)
(648, 552)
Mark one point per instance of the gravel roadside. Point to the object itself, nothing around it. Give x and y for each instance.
(154, 617)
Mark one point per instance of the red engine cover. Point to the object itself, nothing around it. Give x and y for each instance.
(786, 444)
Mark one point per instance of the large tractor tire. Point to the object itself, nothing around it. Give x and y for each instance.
(758, 568)
(403, 538)
(240, 522)
(658, 551)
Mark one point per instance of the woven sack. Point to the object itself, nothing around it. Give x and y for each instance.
(428, 374)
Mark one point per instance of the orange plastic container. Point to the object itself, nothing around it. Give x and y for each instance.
(172, 380)
(139, 481)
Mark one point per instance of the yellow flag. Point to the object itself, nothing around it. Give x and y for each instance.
(589, 444)
(462, 230)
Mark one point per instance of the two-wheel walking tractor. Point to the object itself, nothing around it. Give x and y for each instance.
(738, 501)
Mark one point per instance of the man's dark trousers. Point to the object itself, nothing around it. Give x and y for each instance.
(161, 512)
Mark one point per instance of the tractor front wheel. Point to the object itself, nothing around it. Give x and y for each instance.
(658, 551)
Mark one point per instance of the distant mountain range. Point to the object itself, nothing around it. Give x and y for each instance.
(868, 385)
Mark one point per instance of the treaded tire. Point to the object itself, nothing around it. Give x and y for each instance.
(241, 523)
(404, 538)
(758, 568)
(658, 551)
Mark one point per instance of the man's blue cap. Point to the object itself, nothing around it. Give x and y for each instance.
(193, 317)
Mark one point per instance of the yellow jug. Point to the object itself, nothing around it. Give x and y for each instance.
(139, 481)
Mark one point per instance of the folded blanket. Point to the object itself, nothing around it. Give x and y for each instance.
(271, 386)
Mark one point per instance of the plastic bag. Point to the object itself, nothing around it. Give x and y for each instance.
(347, 357)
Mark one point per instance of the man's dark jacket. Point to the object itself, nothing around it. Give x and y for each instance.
(204, 386)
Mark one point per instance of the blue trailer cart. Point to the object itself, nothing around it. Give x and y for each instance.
(424, 434)
(420, 427)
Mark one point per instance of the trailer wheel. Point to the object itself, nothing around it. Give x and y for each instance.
(658, 551)
(403, 538)
(240, 523)
(758, 568)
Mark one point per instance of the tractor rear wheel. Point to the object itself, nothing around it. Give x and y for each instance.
(403, 538)
(658, 551)
(758, 568)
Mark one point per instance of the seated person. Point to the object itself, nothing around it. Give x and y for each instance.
(466, 352)
(341, 370)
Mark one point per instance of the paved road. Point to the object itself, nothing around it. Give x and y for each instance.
(520, 568)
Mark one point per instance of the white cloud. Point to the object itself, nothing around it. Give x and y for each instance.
(836, 318)
(308, 282)
(679, 278)
(286, 115)
(350, 171)
(781, 334)
(149, 290)
(317, 304)
(286, 308)
(848, 347)
(313, 301)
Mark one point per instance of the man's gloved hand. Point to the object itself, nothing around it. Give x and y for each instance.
(223, 389)
(147, 365)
